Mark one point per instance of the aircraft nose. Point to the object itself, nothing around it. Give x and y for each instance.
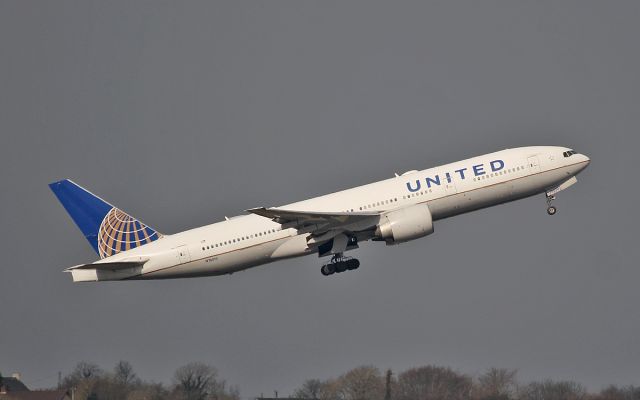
(585, 161)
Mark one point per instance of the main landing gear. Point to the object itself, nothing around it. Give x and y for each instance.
(551, 210)
(339, 263)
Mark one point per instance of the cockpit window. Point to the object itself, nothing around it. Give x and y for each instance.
(569, 153)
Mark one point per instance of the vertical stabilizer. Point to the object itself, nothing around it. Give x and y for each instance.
(108, 229)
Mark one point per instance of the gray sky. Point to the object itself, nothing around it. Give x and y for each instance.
(183, 113)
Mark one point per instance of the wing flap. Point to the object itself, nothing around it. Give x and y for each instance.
(311, 217)
(323, 221)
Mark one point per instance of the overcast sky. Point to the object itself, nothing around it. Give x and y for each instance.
(182, 113)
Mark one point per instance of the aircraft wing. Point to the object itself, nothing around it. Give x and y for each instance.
(319, 221)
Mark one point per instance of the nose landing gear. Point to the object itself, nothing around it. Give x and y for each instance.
(338, 264)
(551, 210)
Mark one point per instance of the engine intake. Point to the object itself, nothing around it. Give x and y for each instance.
(405, 224)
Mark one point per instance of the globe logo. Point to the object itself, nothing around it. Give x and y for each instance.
(121, 232)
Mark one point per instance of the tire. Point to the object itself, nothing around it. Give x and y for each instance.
(327, 270)
(353, 264)
(552, 210)
(341, 266)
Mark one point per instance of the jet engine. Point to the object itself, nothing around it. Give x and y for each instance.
(405, 224)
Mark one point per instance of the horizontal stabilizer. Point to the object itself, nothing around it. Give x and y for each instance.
(109, 266)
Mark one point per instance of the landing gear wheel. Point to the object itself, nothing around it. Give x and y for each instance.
(338, 264)
(353, 264)
(551, 210)
(341, 266)
(328, 269)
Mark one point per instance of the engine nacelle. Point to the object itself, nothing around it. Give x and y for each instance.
(405, 224)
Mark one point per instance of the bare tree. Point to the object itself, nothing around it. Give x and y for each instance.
(85, 370)
(198, 381)
(497, 384)
(362, 383)
(433, 383)
(330, 390)
(618, 393)
(124, 375)
(553, 390)
(83, 378)
(117, 385)
(310, 389)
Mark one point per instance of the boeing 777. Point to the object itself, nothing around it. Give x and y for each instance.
(393, 211)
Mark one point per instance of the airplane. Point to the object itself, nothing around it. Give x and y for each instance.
(393, 211)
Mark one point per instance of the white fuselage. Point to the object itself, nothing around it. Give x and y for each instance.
(250, 240)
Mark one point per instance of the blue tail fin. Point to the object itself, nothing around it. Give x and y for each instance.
(108, 229)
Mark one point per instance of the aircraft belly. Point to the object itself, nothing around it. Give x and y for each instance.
(291, 247)
(221, 264)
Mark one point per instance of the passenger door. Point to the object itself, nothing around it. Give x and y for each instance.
(182, 254)
(533, 163)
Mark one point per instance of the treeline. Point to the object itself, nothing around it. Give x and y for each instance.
(194, 381)
(197, 381)
(441, 383)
